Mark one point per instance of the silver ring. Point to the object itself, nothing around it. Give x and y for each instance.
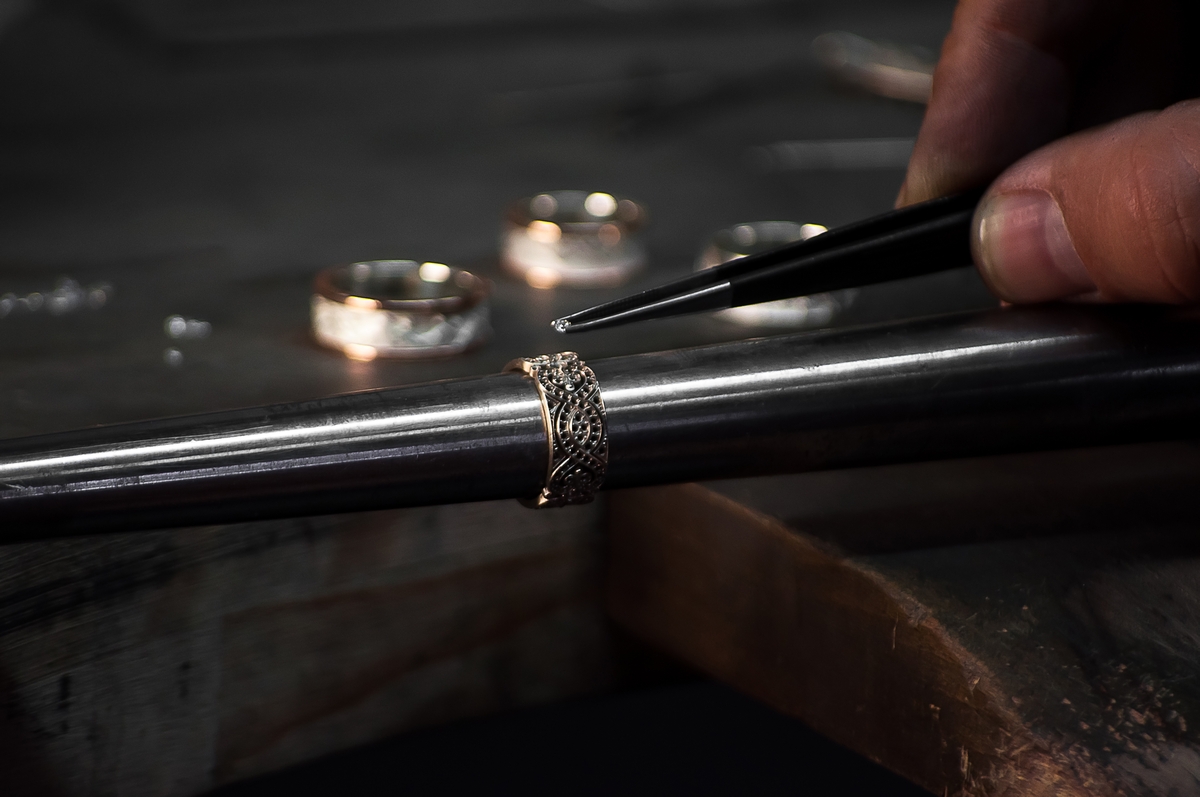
(574, 239)
(750, 238)
(399, 309)
(576, 427)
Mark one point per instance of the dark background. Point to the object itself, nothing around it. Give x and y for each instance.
(207, 158)
(689, 738)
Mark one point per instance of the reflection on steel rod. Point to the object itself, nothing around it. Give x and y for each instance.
(1000, 381)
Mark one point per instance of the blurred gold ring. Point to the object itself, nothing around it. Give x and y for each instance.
(574, 239)
(753, 237)
(399, 309)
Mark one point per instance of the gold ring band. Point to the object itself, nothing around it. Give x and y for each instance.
(754, 237)
(576, 427)
(400, 309)
(574, 239)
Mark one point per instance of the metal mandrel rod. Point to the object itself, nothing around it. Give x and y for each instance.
(442, 442)
(960, 385)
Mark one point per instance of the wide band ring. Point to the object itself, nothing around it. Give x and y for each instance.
(399, 309)
(576, 427)
(574, 239)
(740, 240)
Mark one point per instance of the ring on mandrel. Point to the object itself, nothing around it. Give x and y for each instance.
(576, 427)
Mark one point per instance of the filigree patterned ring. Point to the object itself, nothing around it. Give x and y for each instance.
(576, 427)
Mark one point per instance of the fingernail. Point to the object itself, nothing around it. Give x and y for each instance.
(1024, 250)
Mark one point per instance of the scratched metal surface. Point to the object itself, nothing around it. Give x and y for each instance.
(213, 179)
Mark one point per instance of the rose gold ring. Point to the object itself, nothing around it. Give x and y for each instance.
(574, 239)
(400, 309)
(576, 427)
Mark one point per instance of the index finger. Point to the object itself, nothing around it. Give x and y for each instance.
(1002, 88)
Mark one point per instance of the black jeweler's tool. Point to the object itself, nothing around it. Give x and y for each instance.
(921, 239)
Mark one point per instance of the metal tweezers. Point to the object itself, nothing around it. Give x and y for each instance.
(920, 239)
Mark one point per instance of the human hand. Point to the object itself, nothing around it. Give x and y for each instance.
(1110, 213)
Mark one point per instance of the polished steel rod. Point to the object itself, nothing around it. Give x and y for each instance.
(960, 385)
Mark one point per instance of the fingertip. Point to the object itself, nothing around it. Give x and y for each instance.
(1024, 251)
(915, 187)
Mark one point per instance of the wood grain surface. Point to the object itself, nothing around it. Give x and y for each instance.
(206, 167)
(1030, 662)
(169, 662)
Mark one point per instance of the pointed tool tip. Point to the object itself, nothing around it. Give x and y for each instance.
(561, 325)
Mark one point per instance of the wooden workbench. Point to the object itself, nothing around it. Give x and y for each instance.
(1022, 625)
(212, 176)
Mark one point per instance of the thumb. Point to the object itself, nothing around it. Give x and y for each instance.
(1112, 213)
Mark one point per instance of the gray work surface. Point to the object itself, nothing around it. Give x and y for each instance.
(213, 180)
(206, 160)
